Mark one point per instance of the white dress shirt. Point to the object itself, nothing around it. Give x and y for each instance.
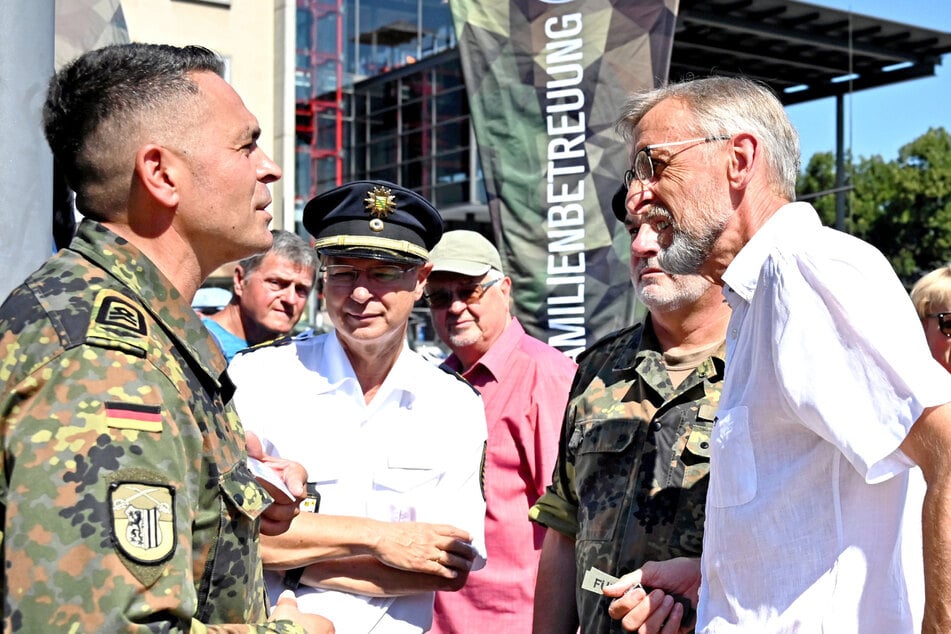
(827, 370)
(412, 454)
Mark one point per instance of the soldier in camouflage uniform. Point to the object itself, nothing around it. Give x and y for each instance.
(126, 501)
(631, 479)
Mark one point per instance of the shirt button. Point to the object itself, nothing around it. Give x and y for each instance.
(656, 425)
(704, 445)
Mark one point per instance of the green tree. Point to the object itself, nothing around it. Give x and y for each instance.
(903, 207)
(819, 176)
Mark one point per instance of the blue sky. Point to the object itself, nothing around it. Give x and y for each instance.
(881, 120)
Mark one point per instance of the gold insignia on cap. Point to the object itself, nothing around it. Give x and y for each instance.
(380, 202)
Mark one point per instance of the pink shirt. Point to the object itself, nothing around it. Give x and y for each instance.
(524, 385)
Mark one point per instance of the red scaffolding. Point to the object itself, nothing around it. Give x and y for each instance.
(320, 106)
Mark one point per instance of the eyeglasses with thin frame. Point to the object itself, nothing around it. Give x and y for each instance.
(944, 323)
(445, 297)
(345, 275)
(643, 169)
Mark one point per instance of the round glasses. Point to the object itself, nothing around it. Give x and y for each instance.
(643, 169)
(445, 297)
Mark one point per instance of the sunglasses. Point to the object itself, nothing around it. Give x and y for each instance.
(444, 297)
(944, 323)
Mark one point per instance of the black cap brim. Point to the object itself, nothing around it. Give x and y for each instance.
(618, 203)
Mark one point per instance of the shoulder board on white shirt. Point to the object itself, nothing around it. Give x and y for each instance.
(485, 448)
(283, 340)
(453, 373)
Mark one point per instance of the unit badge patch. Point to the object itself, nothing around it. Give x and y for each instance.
(143, 521)
(118, 312)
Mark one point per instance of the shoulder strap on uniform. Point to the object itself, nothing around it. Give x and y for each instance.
(445, 368)
(607, 351)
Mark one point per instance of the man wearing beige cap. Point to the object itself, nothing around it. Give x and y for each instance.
(524, 385)
(393, 444)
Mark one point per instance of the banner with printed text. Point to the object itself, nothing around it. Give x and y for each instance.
(546, 81)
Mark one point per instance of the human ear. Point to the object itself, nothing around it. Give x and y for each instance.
(745, 156)
(237, 280)
(422, 273)
(158, 169)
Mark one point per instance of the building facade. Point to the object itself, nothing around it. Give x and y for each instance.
(252, 36)
(380, 95)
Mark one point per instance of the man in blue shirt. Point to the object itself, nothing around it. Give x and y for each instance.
(270, 292)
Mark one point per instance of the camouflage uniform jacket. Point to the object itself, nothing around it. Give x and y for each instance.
(125, 499)
(631, 479)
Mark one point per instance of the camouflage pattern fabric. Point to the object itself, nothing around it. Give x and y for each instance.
(546, 81)
(125, 499)
(84, 25)
(633, 466)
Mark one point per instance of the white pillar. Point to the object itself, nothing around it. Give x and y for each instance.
(26, 166)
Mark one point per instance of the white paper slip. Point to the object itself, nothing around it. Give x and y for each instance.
(595, 580)
(264, 472)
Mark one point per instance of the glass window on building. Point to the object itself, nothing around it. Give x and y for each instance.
(452, 135)
(414, 174)
(388, 100)
(438, 32)
(382, 152)
(388, 32)
(451, 104)
(415, 145)
(326, 173)
(303, 172)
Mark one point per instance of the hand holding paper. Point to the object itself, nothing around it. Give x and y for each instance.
(285, 480)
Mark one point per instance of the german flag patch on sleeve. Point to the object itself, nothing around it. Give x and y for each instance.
(134, 416)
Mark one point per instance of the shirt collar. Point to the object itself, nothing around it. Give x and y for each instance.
(495, 360)
(790, 225)
(628, 358)
(334, 366)
(156, 294)
(648, 354)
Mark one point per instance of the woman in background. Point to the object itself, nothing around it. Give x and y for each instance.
(932, 298)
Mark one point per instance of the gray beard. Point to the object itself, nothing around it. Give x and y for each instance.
(686, 253)
(465, 339)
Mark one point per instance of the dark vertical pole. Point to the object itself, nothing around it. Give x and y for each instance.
(26, 167)
(839, 163)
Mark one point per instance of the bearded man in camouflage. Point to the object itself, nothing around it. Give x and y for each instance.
(631, 479)
(125, 498)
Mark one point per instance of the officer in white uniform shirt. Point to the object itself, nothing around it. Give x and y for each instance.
(392, 443)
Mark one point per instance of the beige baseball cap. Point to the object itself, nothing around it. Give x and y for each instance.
(466, 253)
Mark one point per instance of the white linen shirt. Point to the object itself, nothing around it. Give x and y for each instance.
(827, 370)
(412, 454)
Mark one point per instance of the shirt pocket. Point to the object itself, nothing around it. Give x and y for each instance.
(696, 455)
(235, 560)
(733, 465)
(404, 490)
(686, 534)
(604, 466)
(242, 494)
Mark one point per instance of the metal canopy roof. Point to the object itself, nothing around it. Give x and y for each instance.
(800, 49)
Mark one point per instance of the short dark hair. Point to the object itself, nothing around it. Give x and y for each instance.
(114, 84)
